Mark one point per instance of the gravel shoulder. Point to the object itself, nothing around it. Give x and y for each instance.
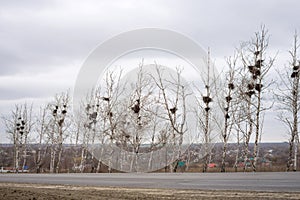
(10, 191)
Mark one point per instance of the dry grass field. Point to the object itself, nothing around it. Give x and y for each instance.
(9, 191)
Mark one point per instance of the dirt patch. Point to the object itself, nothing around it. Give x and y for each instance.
(38, 192)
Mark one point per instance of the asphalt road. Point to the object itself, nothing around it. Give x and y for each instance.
(272, 181)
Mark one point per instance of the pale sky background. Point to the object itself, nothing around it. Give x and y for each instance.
(44, 43)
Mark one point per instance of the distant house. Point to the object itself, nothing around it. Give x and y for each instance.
(212, 165)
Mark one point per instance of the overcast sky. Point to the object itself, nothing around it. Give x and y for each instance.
(44, 43)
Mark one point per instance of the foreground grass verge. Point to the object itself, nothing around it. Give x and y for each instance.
(10, 191)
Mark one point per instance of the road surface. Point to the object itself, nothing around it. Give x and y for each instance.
(272, 181)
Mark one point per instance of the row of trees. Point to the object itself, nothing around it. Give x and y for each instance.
(160, 108)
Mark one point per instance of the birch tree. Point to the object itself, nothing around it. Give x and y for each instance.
(204, 112)
(227, 105)
(254, 56)
(59, 109)
(19, 125)
(288, 99)
(173, 99)
(42, 128)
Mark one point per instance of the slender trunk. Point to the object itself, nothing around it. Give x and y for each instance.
(257, 130)
(25, 152)
(60, 149)
(246, 152)
(295, 155)
(83, 157)
(294, 132)
(25, 158)
(225, 138)
(237, 152)
(295, 120)
(38, 161)
(206, 137)
(52, 158)
(150, 160)
(224, 156)
(39, 157)
(248, 134)
(206, 128)
(100, 159)
(98, 166)
(59, 158)
(17, 158)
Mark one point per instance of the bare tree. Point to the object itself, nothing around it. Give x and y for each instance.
(90, 119)
(174, 94)
(112, 111)
(288, 99)
(57, 134)
(42, 128)
(228, 107)
(204, 112)
(139, 113)
(19, 125)
(255, 59)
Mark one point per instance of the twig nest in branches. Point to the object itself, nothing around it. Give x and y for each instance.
(254, 70)
(97, 105)
(257, 72)
(18, 128)
(110, 114)
(207, 109)
(206, 86)
(127, 136)
(19, 118)
(250, 86)
(228, 98)
(64, 105)
(56, 107)
(231, 86)
(105, 98)
(60, 122)
(250, 93)
(207, 99)
(258, 63)
(258, 87)
(21, 132)
(18, 124)
(294, 92)
(88, 106)
(256, 53)
(227, 116)
(64, 112)
(136, 108)
(173, 110)
(89, 126)
(251, 68)
(295, 67)
(294, 74)
(254, 77)
(23, 122)
(226, 109)
(22, 127)
(93, 115)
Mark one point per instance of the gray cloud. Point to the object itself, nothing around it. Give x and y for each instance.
(41, 39)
